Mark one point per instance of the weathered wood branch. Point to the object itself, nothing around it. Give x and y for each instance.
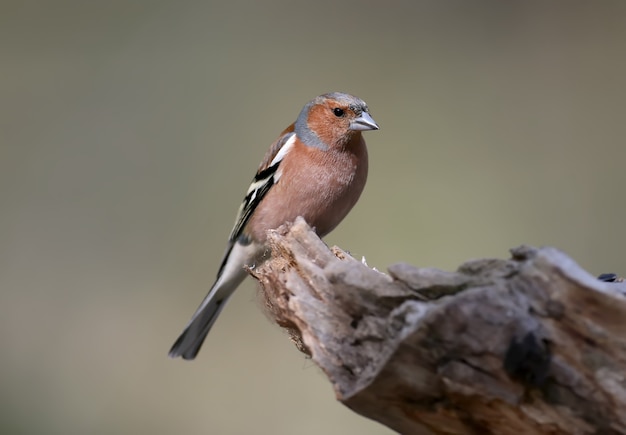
(530, 345)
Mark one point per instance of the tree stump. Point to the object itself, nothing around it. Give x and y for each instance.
(528, 345)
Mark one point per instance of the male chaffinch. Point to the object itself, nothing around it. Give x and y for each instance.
(316, 169)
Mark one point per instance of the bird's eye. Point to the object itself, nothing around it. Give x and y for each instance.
(338, 112)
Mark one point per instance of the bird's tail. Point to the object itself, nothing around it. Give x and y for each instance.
(188, 344)
(229, 277)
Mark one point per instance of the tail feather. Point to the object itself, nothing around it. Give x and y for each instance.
(230, 276)
(190, 341)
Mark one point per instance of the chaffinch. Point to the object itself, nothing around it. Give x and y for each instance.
(316, 169)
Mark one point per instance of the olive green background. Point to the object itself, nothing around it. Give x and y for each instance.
(129, 131)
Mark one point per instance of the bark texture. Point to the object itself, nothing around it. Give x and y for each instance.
(528, 345)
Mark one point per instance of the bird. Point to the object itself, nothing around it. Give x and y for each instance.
(317, 169)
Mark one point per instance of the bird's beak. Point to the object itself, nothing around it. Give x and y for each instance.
(363, 122)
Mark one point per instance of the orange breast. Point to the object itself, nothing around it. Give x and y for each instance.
(322, 188)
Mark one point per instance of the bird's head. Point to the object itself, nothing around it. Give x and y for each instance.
(332, 120)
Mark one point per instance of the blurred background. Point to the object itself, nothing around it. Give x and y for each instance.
(130, 130)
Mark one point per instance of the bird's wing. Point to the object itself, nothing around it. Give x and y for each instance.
(267, 175)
